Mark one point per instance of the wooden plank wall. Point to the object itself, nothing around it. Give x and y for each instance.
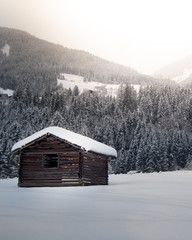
(95, 169)
(32, 173)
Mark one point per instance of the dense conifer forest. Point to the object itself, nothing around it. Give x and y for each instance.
(150, 130)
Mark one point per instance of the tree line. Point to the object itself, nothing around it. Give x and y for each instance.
(151, 130)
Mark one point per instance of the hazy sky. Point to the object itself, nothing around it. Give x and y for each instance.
(142, 34)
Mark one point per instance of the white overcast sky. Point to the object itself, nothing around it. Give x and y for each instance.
(142, 34)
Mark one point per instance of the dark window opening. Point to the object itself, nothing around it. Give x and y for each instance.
(50, 161)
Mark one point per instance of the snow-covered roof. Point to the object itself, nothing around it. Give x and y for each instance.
(81, 141)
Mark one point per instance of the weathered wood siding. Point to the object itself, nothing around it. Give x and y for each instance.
(73, 165)
(94, 169)
(33, 173)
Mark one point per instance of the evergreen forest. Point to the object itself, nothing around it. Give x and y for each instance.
(151, 130)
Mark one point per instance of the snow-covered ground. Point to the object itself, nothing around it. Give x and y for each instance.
(70, 81)
(6, 49)
(154, 206)
(9, 92)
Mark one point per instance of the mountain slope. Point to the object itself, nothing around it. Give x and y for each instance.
(179, 71)
(25, 58)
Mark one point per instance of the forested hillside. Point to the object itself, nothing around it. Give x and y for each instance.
(38, 62)
(151, 131)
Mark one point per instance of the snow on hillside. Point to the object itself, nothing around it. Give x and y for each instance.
(153, 206)
(186, 73)
(70, 81)
(6, 49)
(6, 91)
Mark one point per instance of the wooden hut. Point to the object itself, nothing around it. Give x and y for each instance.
(57, 157)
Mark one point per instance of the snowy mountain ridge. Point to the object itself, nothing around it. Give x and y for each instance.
(179, 71)
(185, 75)
(109, 89)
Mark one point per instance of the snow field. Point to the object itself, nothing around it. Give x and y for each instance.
(105, 89)
(6, 91)
(6, 49)
(154, 206)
